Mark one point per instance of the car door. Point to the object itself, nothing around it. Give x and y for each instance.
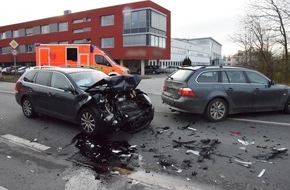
(266, 96)
(63, 101)
(39, 93)
(239, 92)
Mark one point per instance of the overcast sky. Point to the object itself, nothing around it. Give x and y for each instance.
(189, 18)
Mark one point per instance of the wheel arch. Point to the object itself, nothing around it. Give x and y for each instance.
(215, 97)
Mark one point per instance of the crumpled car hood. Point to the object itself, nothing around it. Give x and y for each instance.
(118, 83)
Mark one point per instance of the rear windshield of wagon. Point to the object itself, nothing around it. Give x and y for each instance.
(181, 75)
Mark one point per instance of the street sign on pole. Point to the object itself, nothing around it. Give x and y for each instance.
(13, 44)
(14, 52)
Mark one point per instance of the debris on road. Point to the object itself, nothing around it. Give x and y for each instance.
(261, 173)
(275, 152)
(192, 152)
(245, 141)
(243, 163)
(235, 133)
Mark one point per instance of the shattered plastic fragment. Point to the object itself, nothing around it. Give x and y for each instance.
(34, 140)
(193, 152)
(116, 151)
(261, 173)
(246, 142)
(132, 146)
(243, 163)
(190, 128)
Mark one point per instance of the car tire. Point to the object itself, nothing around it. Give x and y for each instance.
(27, 108)
(287, 106)
(216, 110)
(88, 122)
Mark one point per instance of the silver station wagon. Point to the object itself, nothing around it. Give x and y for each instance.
(217, 91)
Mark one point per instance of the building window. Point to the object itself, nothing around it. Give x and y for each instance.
(81, 20)
(44, 29)
(77, 21)
(148, 27)
(135, 40)
(158, 21)
(0, 50)
(29, 48)
(107, 20)
(28, 31)
(157, 41)
(62, 26)
(107, 42)
(15, 33)
(136, 21)
(79, 41)
(78, 30)
(87, 29)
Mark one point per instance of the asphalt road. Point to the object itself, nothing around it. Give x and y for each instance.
(168, 154)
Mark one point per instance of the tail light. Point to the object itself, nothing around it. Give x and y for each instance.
(164, 88)
(16, 88)
(186, 92)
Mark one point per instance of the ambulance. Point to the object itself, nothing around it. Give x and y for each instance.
(77, 55)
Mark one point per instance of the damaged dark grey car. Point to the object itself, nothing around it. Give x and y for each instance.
(97, 102)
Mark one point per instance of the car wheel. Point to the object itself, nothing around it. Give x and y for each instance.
(154, 72)
(88, 121)
(27, 108)
(216, 110)
(287, 106)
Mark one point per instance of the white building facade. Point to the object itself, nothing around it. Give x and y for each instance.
(201, 51)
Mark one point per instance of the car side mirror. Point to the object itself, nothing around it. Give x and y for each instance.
(270, 83)
(69, 89)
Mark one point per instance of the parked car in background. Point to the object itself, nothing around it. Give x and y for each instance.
(170, 69)
(218, 91)
(6, 71)
(97, 102)
(154, 69)
(19, 70)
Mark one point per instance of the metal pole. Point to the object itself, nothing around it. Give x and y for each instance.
(14, 57)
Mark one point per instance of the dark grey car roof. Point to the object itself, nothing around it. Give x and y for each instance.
(194, 68)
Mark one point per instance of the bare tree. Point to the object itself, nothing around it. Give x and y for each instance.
(244, 39)
(276, 14)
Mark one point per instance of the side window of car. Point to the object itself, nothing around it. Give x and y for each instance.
(256, 78)
(225, 78)
(29, 76)
(101, 60)
(42, 78)
(59, 81)
(208, 77)
(236, 77)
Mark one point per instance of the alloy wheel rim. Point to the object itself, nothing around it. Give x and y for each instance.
(88, 122)
(27, 108)
(217, 110)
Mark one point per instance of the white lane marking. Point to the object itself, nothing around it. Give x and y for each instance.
(25, 143)
(9, 92)
(3, 188)
(259, 121)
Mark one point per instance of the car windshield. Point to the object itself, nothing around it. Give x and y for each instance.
(85, 79)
